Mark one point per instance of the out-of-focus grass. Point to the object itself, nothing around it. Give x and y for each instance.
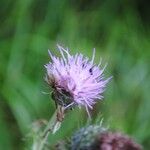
(121, 37)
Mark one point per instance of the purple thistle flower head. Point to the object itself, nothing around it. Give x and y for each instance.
(75, 79)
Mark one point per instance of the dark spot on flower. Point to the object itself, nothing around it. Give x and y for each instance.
(83, 65)
(91, 71)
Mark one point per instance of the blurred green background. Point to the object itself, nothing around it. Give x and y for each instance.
(119, 30)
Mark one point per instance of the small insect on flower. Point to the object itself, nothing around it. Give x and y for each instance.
(75, 80)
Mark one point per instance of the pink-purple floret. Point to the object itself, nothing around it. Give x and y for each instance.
(78, 75)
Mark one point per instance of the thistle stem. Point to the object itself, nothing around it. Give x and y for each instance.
(53, 125)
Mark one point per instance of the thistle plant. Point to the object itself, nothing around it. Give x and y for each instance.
(95, 137)
(85, 137)
(75, 80)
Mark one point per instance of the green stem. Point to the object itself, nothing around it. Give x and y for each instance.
(53, 125)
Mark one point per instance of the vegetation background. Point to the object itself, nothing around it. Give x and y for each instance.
(119, 30)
